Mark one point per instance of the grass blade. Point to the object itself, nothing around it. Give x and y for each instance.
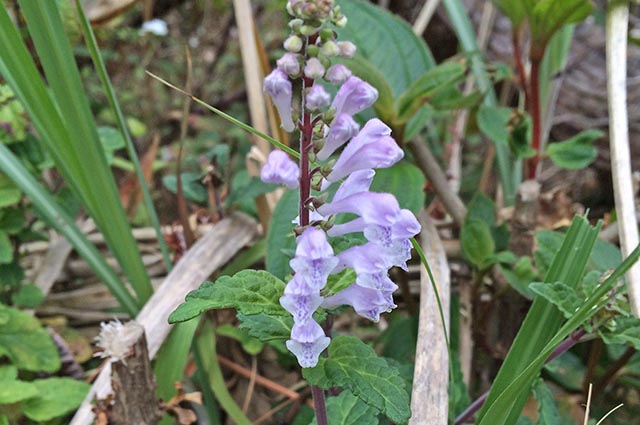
(92, 45)
(79, 152)
(59, 220)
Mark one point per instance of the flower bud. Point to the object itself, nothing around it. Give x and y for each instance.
(317, 98)
(343, 128)
(314, 69)
(338, 74)
(330, 49)
(340, 21)
(354, 96)
(280, 169)
(293, 44)
(313, 50)
(278, 86)
(347, 49)
(295, 25)
(289, 63)
(308, 30)
(326, 34)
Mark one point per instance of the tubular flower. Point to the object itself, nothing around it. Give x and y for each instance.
(314, 258)
(367, 302)
(317, 98)
(307, 342)
(344, 127)
(278, 86)
(354, 96)
(280, 169)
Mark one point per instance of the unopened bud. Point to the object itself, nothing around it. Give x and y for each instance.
(308, 30)
(293, 44)
(317, 98)
(314, 69)
(295, 25)
(338, 74)
(313, 51)
(326, 34)
(289, 63)
(330, 49)
(340, 21)
(347, 49)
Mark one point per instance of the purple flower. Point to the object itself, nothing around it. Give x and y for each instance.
(289, 63)
(317, 98)
(354, 96)
(338, 74)
(371, 148)
(370, 264)
(347, 49)
(278, 86)
(314, 258)
(374, 208)
(404, 227)
(359, 181)
(344, 127)
(300, 300)
(280, 169)
(314, 69)
(366, 302)
(307, 342)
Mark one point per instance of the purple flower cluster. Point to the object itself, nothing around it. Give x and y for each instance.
(386, 227)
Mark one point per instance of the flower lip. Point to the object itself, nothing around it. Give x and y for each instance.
(354, 96)
(280, 169)
(278, 87)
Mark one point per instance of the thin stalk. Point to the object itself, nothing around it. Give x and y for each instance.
(122, 124)
(536, 117)
(516, 38)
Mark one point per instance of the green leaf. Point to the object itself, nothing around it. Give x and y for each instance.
(8, 372)
(9, 192)
(513, 9)
(251, 190)
(520, 276)
(354, 365)
(111, 140)
(389, 43)
(26, 343)
(192, 187)
(563, 296)
(548, 16)
(567, 370)
(339, 281)
(400, 338)
(346, 409)
(482, 208)
(4, 420)
(476, 242)
(622, 330)
(577, 152)
(249, 344)
(605, 256)
(493, 122)
(29, 296)
(433, 81)
(405, 181)
(6, 248)
(547, 409)
(57, 397)
(15, 391)
(12, 220)
(249, 292)
(548, 243)
(13, 120)
(267, 328)
(280, 239)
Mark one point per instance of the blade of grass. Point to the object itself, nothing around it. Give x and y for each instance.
(57, 218)
(89, 171)
(98, 62)
(509, 177)
(498, 411)
(229, 118)
(542, 321)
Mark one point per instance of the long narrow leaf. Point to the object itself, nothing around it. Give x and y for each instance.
(59, 220)
(84, 159)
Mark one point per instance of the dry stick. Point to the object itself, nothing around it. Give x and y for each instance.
(207, 255)
(260, 380)
(430, 396)
(617, 24)
(252, 385)
(431, 169)
(425, 15)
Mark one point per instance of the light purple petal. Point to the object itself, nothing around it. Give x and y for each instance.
(354, 96)
(367, 258)
(308, 353)
(338, 74)
(280, 169)
(366, 302)
(358, 181)
(301, 307)
(374, 208)
(289, 63)
(314, 69)
(353, 226)
(344, 127)
(278, 86)
(314, 258)
(317, 98)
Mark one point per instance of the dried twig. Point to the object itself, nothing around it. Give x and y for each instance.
(425, 15)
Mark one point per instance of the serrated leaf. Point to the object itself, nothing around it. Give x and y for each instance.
(559, 294)
(577, 152)
(354, 365)
(347, 409)
(26, 343)
(476, 242)
(622, 330)
(249, 292)
(57, 397)
(15, 391)
(267, 328)
(405, 181)
(547, 409)
(249, 344)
